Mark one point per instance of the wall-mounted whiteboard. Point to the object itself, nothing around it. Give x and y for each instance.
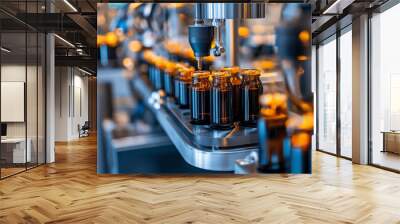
(12, 101)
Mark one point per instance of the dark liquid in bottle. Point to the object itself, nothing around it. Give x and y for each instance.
(236, 91)
(159, 79)
(250, 105)
(200, 106)
(237, 102)
(184, 94)
(169, 84)
(151, 75)
(176, 88)
(222, 114)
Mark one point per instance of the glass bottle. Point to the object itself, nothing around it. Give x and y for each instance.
(150, 58)
(158, 79)
(251, 89)
(169, 74)
(236, 92)
(200, 97)
(221, 99)
(185, 81)
(148, 61)
(180, 67)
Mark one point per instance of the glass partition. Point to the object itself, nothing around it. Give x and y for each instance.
(15, 149)
(22, 89)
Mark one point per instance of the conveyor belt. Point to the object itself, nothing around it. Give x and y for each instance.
(199, 146)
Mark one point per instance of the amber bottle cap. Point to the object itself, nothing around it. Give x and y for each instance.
(148, 56)
(250, 72)
(180, 65)
(185, 74)
(170, 67)
(220, 74)
(232, 70)
(201, 74)
(160, 62)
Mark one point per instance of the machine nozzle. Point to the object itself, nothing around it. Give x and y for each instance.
(200, 39)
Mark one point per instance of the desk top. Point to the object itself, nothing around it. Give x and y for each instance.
(391, 132)
(14, 140)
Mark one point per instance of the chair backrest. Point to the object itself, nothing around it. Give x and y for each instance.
(86, 124)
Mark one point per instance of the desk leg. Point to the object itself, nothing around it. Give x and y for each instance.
(384, 142)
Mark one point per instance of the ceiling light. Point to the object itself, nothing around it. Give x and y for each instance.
(338, 6)
(5, 50)
(329, 9)
(70, 5)
(65, 41)
(86, 72)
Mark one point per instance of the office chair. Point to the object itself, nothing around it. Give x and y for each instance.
(84, 130)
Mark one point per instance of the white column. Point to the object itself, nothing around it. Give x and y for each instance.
(50, 98)
(360, 90)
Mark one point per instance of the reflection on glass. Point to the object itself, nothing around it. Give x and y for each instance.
(385, 84)
(327, 97)
(346, 94)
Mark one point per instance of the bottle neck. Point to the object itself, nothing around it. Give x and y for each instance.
(221, 80)
(202, 81)
(251, 82)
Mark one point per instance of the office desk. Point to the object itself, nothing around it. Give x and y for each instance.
(13, 150)
(391, 141)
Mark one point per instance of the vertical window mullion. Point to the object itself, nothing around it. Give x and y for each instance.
(37, 90)
(0, 93)
(338, 98)
(26, 86)
(317, 97)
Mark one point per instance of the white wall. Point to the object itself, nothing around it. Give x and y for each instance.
(71, 94)
(12, 73)
(81, 100)
(62, 82)
(33, 127)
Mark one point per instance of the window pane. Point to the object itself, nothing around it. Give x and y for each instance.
(346, 94)
(327, 97)
(385, 84)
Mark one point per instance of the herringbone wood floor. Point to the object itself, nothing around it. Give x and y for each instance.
(70, 191)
